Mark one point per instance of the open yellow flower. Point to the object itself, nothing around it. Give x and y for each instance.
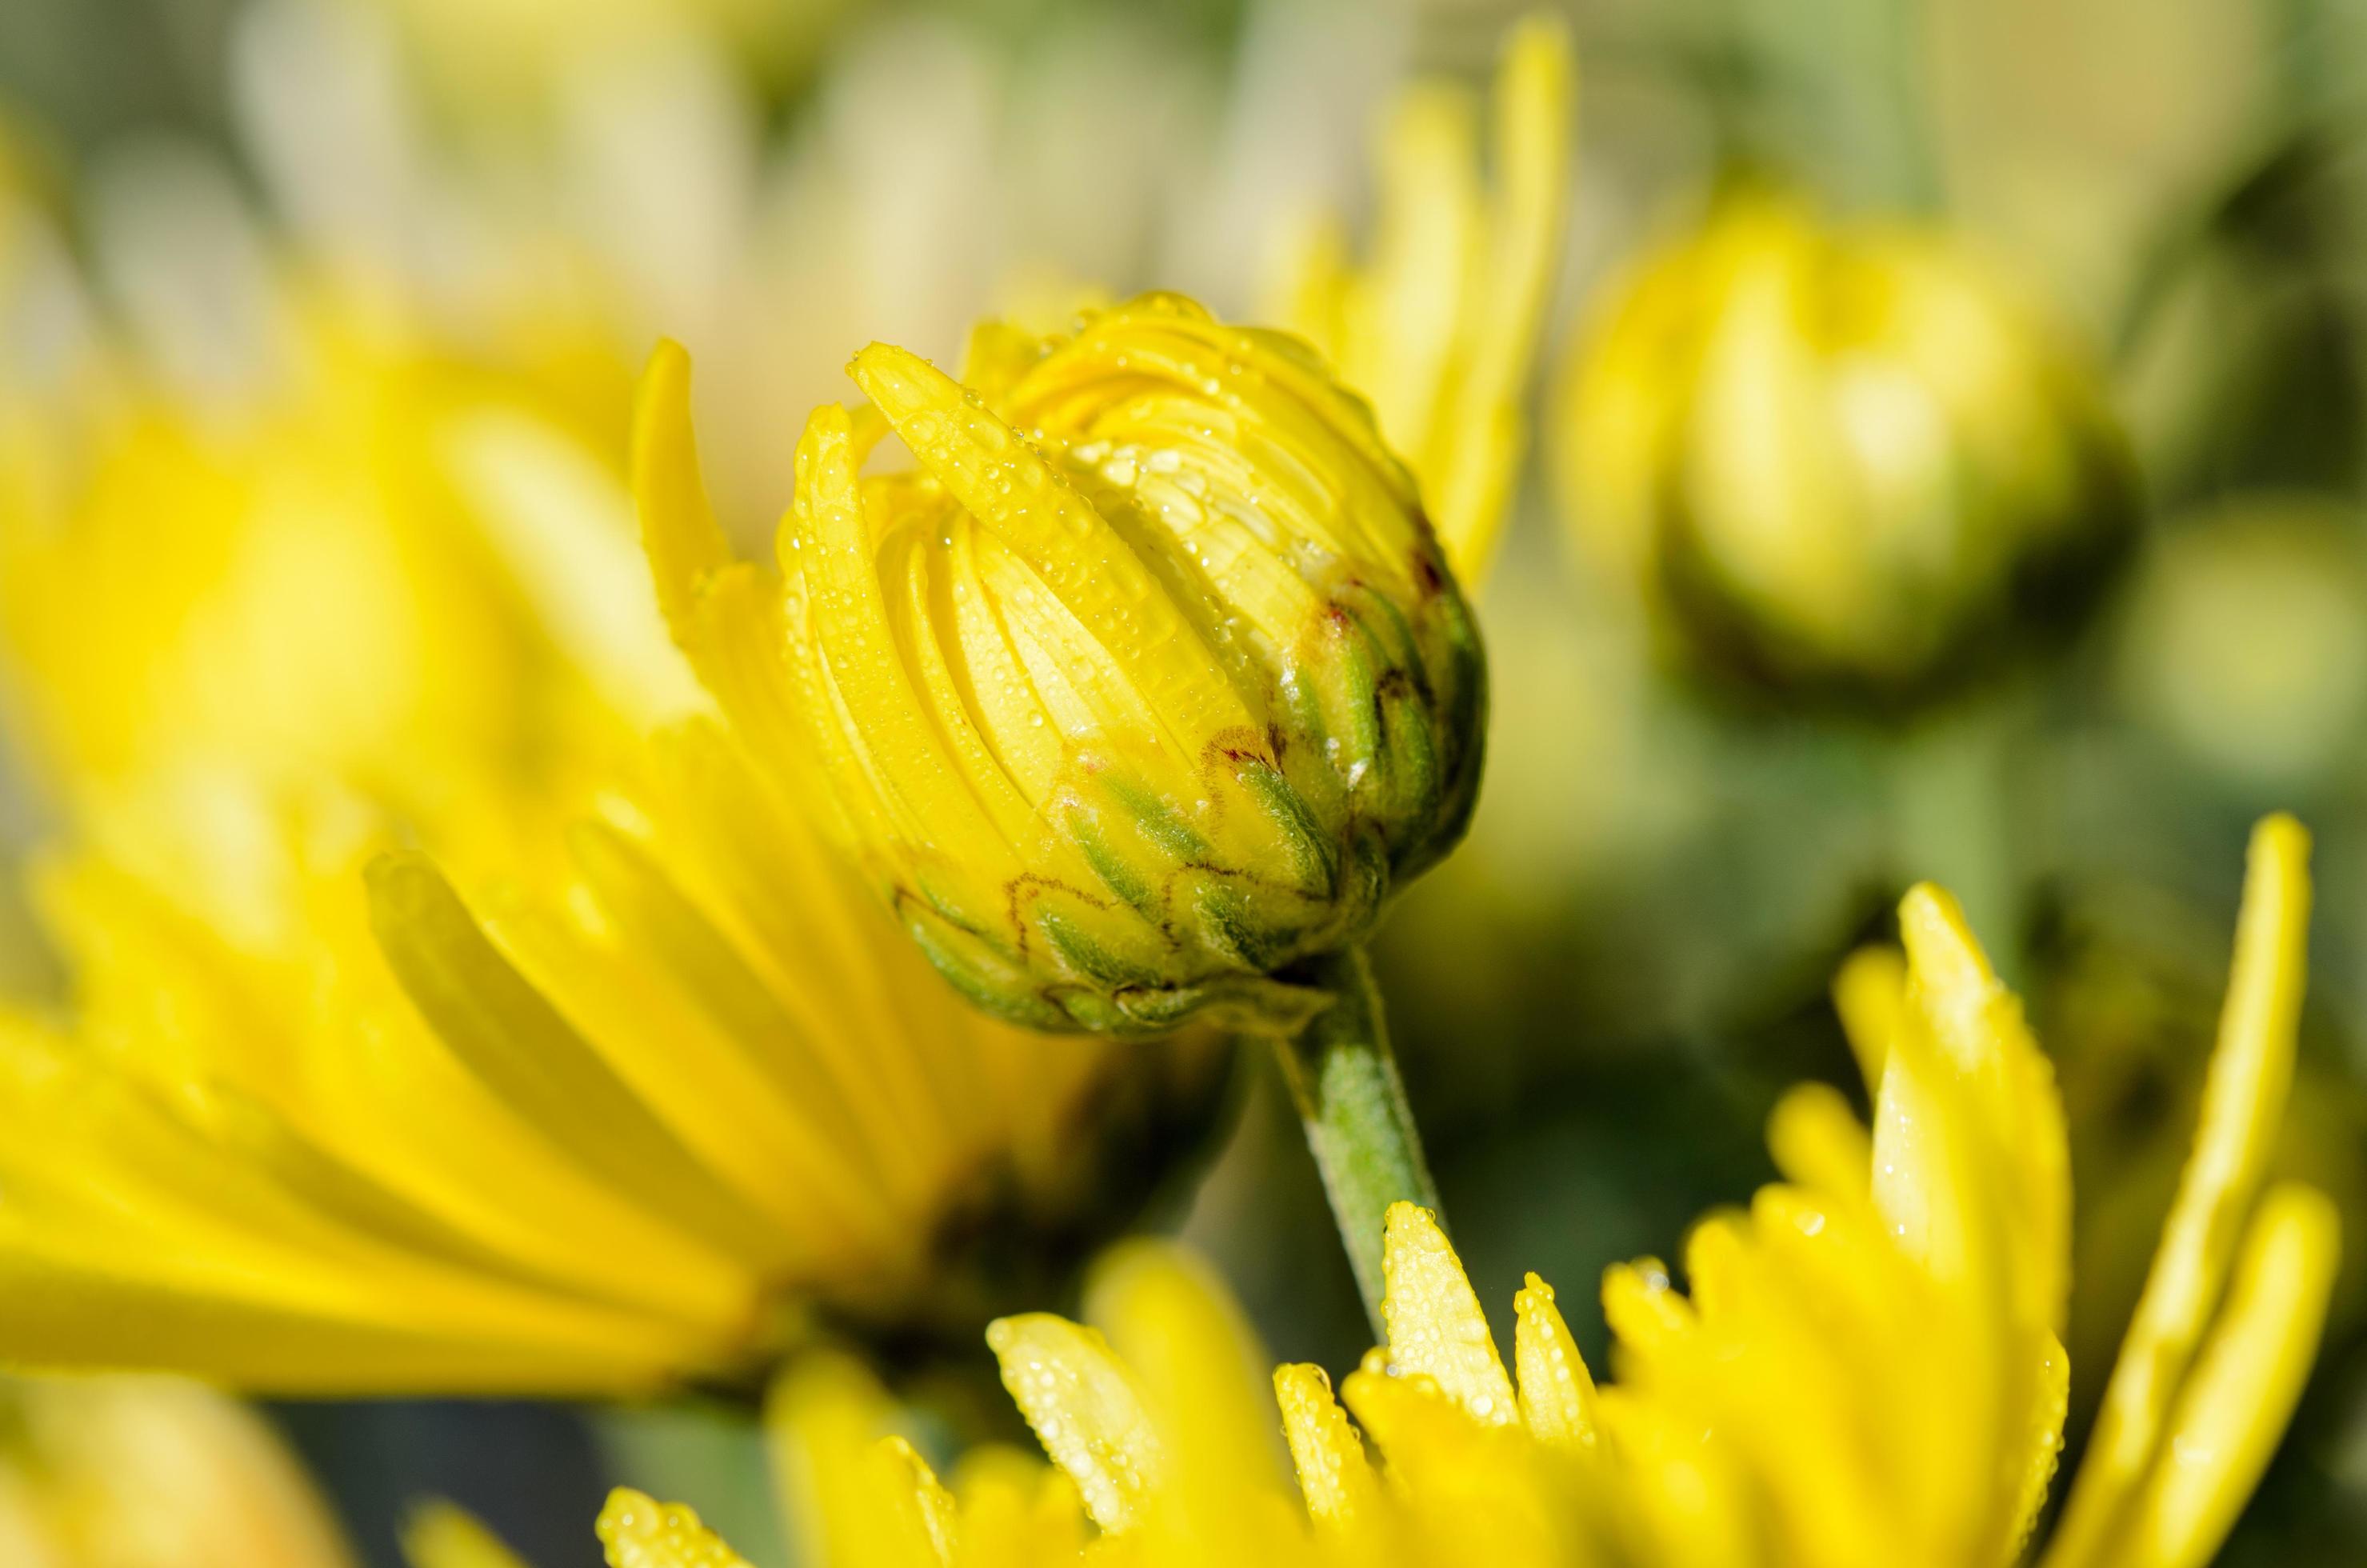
(1838, 455)
(150, 1472)
(306, 1121)
(1864, 1368)
(1440, 329)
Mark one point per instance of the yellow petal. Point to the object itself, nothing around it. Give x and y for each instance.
(1870, 993)
(638, 1532)
(1644, 1312)
(2243, 1103)
(1017, 1511)
(1819, 1144)
(2006, 1085)
(509, 1033)
(1197, 1363)
(1086, 1412)
(1334, 1476)
(1403, 315)
(563, 527)
(440, 1534)
(920, 1508)
(902, 759)
(1008, 486)
(1435, 1323)
(2234, 1407)
(857, 1496)
(2042, 1446)
(1483, 431)
(685, 543)
(1557, 1390)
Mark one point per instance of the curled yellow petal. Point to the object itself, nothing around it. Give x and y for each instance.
(901, 755)
(1027, 504)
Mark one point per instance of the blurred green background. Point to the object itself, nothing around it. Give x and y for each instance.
(1599, 998)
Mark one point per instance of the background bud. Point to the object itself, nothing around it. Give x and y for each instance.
(1839, 457)
(1149, 682)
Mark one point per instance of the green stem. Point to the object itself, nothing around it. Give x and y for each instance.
(1362, 1132)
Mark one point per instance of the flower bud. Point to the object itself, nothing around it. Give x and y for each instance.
(1149, 682)
(1839, 457)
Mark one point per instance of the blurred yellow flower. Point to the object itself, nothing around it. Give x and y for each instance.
(670, 1081)
(1864, 1367)
(1838, 455)
(1148, 683)
(2246, 638)
(339, 574)
(1440, 329)
(150, 1473)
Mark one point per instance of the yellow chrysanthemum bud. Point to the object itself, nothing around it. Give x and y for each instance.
(1839, 457)
(1148, 683)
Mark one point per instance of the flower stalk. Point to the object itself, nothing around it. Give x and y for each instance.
(1343, 1079)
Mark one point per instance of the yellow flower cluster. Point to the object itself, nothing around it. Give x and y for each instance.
(1863, 1368)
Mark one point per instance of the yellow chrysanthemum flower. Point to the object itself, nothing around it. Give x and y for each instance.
(1147, 684)
(1440, 329)
(1837, 456)
(1136, 700)
(1864, 1368)
(150, 1472)
(669, 1080)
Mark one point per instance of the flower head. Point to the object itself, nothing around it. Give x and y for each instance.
(1839, 457)
(1864, 1366)
(1148, 682)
